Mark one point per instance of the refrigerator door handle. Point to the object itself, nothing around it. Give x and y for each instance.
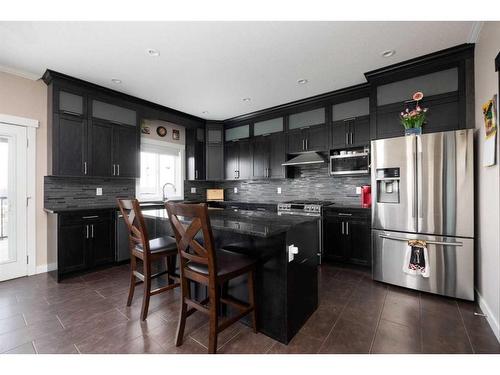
(420, 207)
(457, 244)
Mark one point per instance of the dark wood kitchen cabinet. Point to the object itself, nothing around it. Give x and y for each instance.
(237, 160)
(114, 150)
(352, 132)
(314, 138)
(85, 239)
(214, 151)
(195, 154)
(268, 155)
(69, 145)
(346, 235)
(126, 153)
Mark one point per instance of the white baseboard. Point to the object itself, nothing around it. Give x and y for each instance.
(46, 268)
(490, 316)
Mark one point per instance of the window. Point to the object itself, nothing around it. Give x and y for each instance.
(161, 163)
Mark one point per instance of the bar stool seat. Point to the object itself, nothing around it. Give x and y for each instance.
(229, 265)
(160, 245)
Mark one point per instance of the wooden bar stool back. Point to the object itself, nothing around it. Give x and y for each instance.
(147, 251)
(202, 263)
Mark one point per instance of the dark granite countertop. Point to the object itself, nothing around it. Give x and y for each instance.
(253, 223)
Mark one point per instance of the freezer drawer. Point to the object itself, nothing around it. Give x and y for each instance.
(451, 261)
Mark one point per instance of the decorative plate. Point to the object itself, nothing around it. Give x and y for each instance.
(161, 131)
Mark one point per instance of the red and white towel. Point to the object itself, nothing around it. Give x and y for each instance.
(416, 260)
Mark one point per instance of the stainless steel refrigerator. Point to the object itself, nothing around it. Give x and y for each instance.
(423, 188)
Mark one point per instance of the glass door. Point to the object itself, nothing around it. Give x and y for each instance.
(13, 150)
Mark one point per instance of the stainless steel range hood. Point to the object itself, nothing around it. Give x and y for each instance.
(305, 158)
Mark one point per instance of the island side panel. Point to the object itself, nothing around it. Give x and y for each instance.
(302, 275)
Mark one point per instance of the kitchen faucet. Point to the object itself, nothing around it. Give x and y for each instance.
(163, 189)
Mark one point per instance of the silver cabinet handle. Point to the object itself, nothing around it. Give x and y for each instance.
(346, 138)
(350, 136)
(85, 167)
(87, 229)
(457, 244)
(118, 168)
(303, 145)
(114, 169)
(92, 230)
(307, 144)
(343, 214)
(342, 227)
(196, 174)
(90, 217)
(347, 228)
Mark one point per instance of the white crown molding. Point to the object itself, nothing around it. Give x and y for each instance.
(19, 73)
(16, 120)
(475, 31)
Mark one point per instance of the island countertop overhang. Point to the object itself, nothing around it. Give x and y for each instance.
(252, 223)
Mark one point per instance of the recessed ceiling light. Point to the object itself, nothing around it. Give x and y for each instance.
(153, 52)
(302, 81)
(205, 112)
(388, 53)
(246, 99)
(117, 81)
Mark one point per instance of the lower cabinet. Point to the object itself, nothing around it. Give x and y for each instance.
(346, 235)
(85, 240)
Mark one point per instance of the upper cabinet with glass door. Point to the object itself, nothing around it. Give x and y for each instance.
(307, 119)
(441, 97)
(69, 103)
(239, 132)
(114, 113)
(267, 127)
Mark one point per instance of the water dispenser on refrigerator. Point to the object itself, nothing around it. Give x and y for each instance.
(388, 180)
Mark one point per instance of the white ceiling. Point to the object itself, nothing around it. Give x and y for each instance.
(211, 66)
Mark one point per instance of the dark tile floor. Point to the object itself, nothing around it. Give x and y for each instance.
(87, 314)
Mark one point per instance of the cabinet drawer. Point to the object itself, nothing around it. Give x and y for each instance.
(84, 216)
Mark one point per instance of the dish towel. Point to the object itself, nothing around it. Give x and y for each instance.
(417, 259)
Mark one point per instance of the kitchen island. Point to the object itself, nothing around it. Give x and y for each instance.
(286, 248)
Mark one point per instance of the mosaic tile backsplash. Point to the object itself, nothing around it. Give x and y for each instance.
(80, 192)
(309, 182)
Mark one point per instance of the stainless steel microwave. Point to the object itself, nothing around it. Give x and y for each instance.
(355, 163)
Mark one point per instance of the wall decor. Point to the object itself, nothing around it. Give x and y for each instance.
(490, 131)
(176, 135)
(145, 129)
(161, 131)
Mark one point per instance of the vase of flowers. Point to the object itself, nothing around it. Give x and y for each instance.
(413, 120)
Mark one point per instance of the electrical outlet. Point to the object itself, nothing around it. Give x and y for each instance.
(278, 190)
(193, 190)
(98, 191)
(358, 190)
(235, 190)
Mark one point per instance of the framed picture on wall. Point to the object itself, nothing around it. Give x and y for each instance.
(176, 135)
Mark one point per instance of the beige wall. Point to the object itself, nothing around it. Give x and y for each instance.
(27, 98)
(153, 124)
(487, 183)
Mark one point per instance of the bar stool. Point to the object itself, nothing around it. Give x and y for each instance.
(213, 268)
(148, 251)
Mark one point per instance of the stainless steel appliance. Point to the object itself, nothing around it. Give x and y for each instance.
(423, 188)
(350, 163)
(307, 208)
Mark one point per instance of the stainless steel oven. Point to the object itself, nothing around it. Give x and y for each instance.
(347, 163)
